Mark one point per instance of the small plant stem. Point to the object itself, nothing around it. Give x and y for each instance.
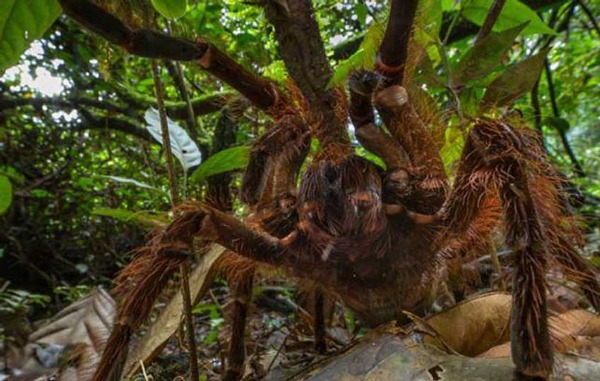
(563, 135)
(537, 113)
(187, 310)
(166, 138)
(185, 284)
(450, 27)
(589, 15)
(490, 20)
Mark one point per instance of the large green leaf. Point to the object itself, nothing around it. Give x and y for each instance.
(21, 22)
(5, 194)
(224, 161)
(514, 82)
(513, 13)
(482, 58)
(171, 9)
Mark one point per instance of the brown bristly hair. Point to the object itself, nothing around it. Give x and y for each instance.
(141, 282)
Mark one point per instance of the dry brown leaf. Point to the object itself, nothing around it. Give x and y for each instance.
(576, 332)
(390, 357)
(473, 326)
(170, 318)
(78, 333)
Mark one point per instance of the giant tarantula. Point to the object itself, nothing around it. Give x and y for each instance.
(372, 236)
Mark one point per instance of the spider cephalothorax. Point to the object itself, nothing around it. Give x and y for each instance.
(372, 237)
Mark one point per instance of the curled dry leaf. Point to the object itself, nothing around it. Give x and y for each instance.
(576, 332)
(474, 326)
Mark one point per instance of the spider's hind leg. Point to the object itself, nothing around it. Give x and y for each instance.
(499, 160)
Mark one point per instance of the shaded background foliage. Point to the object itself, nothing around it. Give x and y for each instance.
(58, 146)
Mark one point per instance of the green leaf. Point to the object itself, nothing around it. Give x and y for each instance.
(40, 193)
(276, 70)
(514, 82)
(21, 22)
(6, 194)
(560, 124)
(362, 152)
(12, 173)
(227, 160)
(361, 12)
(454, 142)
(170, 9)
(513, 13)
(482, 58)
(449, 5)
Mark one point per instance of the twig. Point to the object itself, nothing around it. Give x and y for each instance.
(187, 310)
(589, 15)
(563, 136)
(146, 378)
(537, 113)
(166, 140)
(490, 20)
(166, 137)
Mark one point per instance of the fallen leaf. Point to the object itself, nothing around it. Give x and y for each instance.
(473, 326)
(78, 332)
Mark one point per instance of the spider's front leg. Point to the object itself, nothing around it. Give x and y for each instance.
(140, 283)
(500, 160)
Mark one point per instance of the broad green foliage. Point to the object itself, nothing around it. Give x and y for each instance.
(515, 81)
(513, 13)
(482, 58)
(6, 194)
(21, 22)
(171, 9)
(230, 159)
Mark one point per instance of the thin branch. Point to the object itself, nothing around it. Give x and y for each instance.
(166, 140)
(537, 113)
(177, 110)
(73, 102)
(166, 137)
(200, 106)
(176, 74)
(100, 123)
(189, 323)
(563, 136)
(490, 20)
(589, 15)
